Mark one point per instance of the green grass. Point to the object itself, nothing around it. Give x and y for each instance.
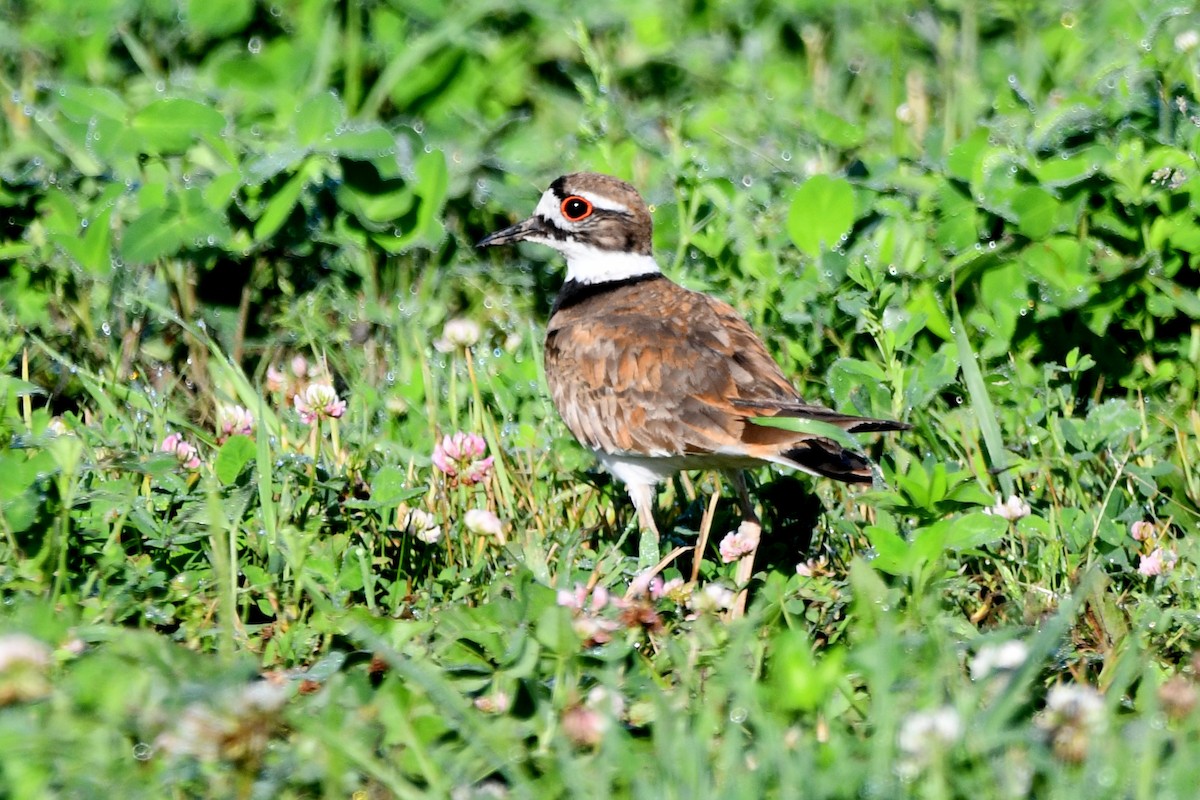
(977, 218)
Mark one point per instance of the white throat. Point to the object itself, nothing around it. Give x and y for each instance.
(587, 264)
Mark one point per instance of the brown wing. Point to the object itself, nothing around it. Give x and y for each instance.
(655, 368)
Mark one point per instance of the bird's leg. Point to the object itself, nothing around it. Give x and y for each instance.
(752, 527)
(642, 495)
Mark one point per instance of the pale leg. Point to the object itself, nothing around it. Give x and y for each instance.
(750, 525)
(642, 495)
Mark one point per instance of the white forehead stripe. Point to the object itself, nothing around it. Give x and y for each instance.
(548, 207)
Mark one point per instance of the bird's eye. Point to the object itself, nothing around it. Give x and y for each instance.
(575, 208)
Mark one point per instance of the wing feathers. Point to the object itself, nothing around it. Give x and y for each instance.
(654, 368)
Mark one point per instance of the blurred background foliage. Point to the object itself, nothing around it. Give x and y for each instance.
(1006, 151)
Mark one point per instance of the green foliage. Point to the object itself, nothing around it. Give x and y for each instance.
(218, 220)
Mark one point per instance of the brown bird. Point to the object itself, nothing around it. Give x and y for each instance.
(655, 378)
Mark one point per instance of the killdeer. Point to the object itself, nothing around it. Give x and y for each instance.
(655, 378)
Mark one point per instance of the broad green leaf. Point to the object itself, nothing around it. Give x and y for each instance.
(821, 214)
(222, 190)
(148, 238)
(433, 181)
(958, 223)
(185, 222)
(172, 125)
(216, 18)
(361, 143)
(893, 555)
(972, 530)
(860, 368)
(260, 170)
(388, 485)
(280, 206)
(964, 156)
(1182, 298)
(84, 104)
(232, 458)
(318, 119)
(1034, 208)
(812, 427)
(835, 130)
(994, 182)
(1060, 266)
(1067, 170)
(10, 385)
(95, 246)
(800, 680)
(374, 201)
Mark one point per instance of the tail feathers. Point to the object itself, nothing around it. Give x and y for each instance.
(866, 425)
(830, 460)
(846, 422)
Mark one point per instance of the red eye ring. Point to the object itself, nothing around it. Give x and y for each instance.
(576, 208)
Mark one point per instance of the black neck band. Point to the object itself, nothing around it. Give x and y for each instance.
(574, 292)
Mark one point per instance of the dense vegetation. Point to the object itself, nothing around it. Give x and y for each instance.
(284, 508)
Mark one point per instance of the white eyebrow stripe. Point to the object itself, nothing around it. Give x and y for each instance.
(606, 203)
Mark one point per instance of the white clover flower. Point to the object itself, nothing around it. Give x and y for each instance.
(198, 732)
(319, 401)
(1188, 40)
(674, 589)
(993, 658)
(713, 597)
(1156, 562)
(24, 663)
(263, 696)
(1074, 704)
(458, 333)
(645, 582)
(233, 420)
(1073, 714)
(276, 379)
(421, 523)
(184, 451)
(583, 726)
(482, 522)
(19, 651)
(495, 703)
(1012, 509)
(573, 599)
(814, 566)
(925, 734)
(1142, 531)
(739, 543)
(233, 725)
(603, 699)
(460, 457)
